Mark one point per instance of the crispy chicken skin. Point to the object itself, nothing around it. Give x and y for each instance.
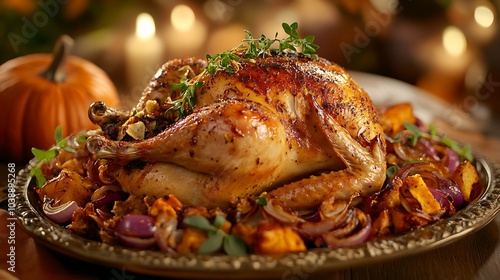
(299, 129)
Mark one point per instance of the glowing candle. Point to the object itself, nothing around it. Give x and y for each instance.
(186, 34)
(144, 52)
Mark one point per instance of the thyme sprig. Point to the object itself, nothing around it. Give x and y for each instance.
(249, 49)
(44, 156)
(414, 133)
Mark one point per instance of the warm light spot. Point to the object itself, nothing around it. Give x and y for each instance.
(484, 16)
(385, 6)
(182, 18)
(145, 27)
(454, 41)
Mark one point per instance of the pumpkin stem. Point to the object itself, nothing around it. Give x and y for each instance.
(61, 51)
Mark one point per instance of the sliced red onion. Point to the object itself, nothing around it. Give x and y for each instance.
(351, 223)
(428, 148)
(329, 221)
(274, 209)
(441, 198)
(451, 189)
(357, 238)
(135, 225)
(61, 213)
(333, 209)
(109, 198)
(135, 242)
(165, 227)
(453, 159)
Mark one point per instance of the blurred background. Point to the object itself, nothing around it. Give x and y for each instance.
(448, 48)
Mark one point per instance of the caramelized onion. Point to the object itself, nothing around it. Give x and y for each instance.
(358, 237)
(61, 213)
(453, 160)
(428, 148)
(276, 210)
(164, 234)
(109, 198)
(333, 216)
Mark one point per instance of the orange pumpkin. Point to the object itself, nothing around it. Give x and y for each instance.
(38, 92)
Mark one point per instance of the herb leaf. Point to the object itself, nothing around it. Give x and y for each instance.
(45, 155)
(415, 132)
(234, 245)
(250, 48)
(199, 222)
(391, 170)
(213, 243)
(217, 238)
(219, 221)
(262, 200)
(464, 151)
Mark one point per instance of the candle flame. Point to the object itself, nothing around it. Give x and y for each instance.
(182, 18)
(454, 41)
(145, 26)
(484, 16)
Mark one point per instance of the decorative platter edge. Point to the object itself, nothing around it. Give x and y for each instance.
(472, 218)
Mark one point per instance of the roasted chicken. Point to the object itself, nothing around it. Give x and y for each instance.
(299, 129)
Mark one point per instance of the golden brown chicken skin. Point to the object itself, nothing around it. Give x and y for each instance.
(299, 129)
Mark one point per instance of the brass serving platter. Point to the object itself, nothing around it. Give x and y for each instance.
(472, 218)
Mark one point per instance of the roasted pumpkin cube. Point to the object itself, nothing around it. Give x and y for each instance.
(392, 119)
(418, 189)
(381, 225)
(191, 240)
(245, 231)
(401, 220)
(277, 239)
(68, 186)
(465, 175)
(169, 205)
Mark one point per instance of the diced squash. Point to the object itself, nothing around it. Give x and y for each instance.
(245, 231)
(419, 190)
(165, 205)
(381, 225)
(191, 240)
(390, 199)
(277, 239)
(465, 175)
(392, 119)
(68, 186)
(400, 220)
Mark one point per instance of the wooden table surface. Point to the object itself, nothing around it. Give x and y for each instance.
(475, 256)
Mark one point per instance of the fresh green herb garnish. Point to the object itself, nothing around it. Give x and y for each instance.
(250, 48)
(464, 151)
(233, 245)
(415, 133)
(391, 170)
(262, 200)
(45, 155)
